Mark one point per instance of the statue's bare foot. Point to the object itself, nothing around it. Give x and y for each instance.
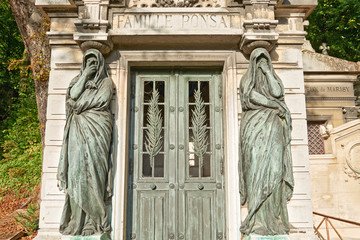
(88, 232)
(67, 231)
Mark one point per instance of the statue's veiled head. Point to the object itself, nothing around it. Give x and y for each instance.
(94, 57)
(91, 60)
(260, 55)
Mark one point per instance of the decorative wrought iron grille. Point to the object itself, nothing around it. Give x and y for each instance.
(316, 142)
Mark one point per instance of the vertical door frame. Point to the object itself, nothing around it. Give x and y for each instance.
(225, 59)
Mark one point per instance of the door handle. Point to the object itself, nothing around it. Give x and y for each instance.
(200, 186)
(153, 186)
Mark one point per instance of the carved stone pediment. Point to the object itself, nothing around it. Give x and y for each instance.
(175, 3)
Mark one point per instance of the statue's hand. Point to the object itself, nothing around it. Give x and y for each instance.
(61, 186)
(89, 71)
(264, 67)
(281, 112)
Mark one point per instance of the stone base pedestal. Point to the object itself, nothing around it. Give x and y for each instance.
(54, 234)
(103, 236)
(259, 237)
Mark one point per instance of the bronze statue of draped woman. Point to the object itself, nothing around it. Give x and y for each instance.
(84, 166)
(265, 164)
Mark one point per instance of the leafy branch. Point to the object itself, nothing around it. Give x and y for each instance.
(154, 127)
(198, 120)
(29, 220)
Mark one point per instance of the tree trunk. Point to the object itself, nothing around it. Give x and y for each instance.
(33, 26)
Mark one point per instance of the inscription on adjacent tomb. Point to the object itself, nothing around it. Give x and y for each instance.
(329, 90)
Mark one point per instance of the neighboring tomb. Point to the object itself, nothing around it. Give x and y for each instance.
(333, 135)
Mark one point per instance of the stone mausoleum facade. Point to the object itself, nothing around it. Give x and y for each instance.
(176, 47)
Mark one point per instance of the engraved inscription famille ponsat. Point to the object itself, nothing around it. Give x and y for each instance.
(122, 21)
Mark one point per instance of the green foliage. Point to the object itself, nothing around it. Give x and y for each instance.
(30, 220)
(336, 23)
(20, 141)
(11, 47)
(20, 162)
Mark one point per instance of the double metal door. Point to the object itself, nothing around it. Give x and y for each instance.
(176, 183)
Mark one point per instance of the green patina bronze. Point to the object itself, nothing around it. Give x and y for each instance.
(256, 237)
(84, 171)
(103, 236)
(265, 165)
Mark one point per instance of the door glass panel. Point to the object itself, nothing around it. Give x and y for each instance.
(206, 169)
(193, 86)
(204, 87)
(147, 169)
(148, 88)
(193, 163)
(159, 166)
(160, 87)
(153, 125)
(199, 137)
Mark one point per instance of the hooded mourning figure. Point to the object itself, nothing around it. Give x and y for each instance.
(84, 165)
(265, 164)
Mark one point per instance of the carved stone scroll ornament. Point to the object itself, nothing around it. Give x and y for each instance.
(85, 166)
(352, 165)
(265, 164)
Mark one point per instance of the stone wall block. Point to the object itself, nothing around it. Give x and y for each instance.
(50, 191)
(51, 159)
(300, 214)
(54, 132)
